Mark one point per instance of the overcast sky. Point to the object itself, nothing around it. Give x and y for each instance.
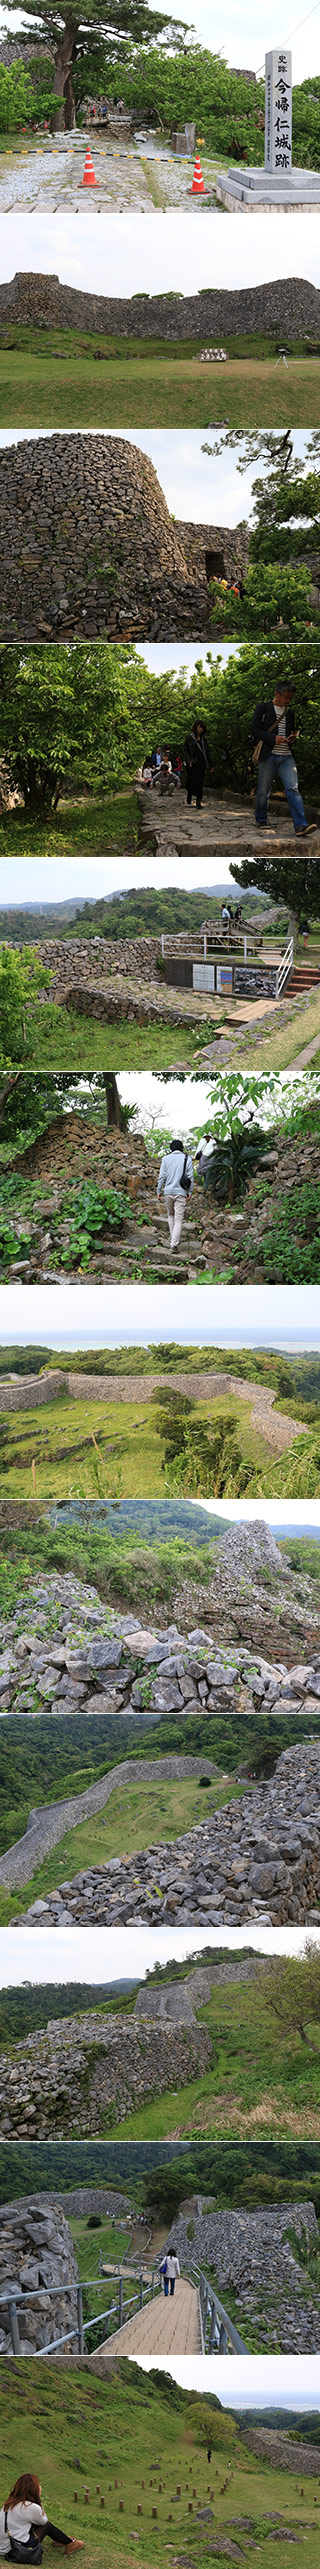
(103, 1954)
(83, 1315)
(245, 37)
(123, 255)
(273, 2379)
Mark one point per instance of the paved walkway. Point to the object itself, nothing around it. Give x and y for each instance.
(163, 2328)
(137, 177)
(220, 826)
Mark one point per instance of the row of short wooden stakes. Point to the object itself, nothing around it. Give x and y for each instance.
(90, 180)
(179, 2493)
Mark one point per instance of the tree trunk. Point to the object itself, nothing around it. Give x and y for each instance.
(62, 76)
(112, 1098)
(70, 104)
(9, 1084)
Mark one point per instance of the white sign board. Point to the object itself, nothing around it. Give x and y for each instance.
(204, 976)
(278, 111)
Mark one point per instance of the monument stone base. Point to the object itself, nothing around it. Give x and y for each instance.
(249, 188)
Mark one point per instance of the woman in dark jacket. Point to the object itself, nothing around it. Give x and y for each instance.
(197, 762)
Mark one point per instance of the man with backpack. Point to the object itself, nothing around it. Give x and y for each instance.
(175, 1183)
(273, 733)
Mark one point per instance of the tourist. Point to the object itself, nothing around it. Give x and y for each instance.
(175, 1182)
(146, 772)
(163, 2271)
(156, 756)
(24, 2525)
(226, 919)
(273, 732)
(173, 2269)
(197, 762)
(204, 1153)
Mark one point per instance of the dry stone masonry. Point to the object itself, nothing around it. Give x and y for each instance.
(36, 2251)
(285, 307)
(253, 2253)
(88, 546)
(85, 2073)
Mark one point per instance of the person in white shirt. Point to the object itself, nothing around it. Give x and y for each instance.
(176, 1166)
(204, 1153)
(173, 2268)
(24, 2524)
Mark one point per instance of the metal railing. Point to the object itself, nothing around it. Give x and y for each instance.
(285, 966)
(218, 2331)
(51, 2293)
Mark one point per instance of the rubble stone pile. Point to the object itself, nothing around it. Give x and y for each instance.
(257, 1857)
(252, 2252)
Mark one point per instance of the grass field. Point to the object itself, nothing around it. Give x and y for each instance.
(84, 1449)
(82, 828)
(136, 1816)
(58, 1040)
(261, 2084)
(146, 2432)
(152, 387)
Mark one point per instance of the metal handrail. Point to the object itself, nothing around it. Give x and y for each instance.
(53, 2292)
(213, 2314)
(285, 966)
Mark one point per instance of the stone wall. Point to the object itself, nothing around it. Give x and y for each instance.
(230, 543)
(88, 546)
(87, 2073)
(282, 2455)
(251, 2254)
(36, 2251)
(286, 308)
(32, 1391)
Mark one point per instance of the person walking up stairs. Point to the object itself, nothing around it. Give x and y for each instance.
(175, 1182)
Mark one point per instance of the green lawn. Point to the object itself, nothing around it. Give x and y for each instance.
(88, 827)
(58, 1040)
(145, 390)
(152, 2438)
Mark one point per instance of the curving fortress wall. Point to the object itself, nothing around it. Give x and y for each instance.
(286, 308)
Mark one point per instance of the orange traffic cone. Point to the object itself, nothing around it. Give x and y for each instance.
(89, 175)
(198, 188)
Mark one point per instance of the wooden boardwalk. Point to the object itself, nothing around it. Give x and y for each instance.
(163, 2328)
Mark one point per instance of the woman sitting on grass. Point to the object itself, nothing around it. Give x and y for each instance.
(23, 2523)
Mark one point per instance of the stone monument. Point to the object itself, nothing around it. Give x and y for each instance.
(278, 183)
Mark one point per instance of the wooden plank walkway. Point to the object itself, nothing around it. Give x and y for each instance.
(164, 2327)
